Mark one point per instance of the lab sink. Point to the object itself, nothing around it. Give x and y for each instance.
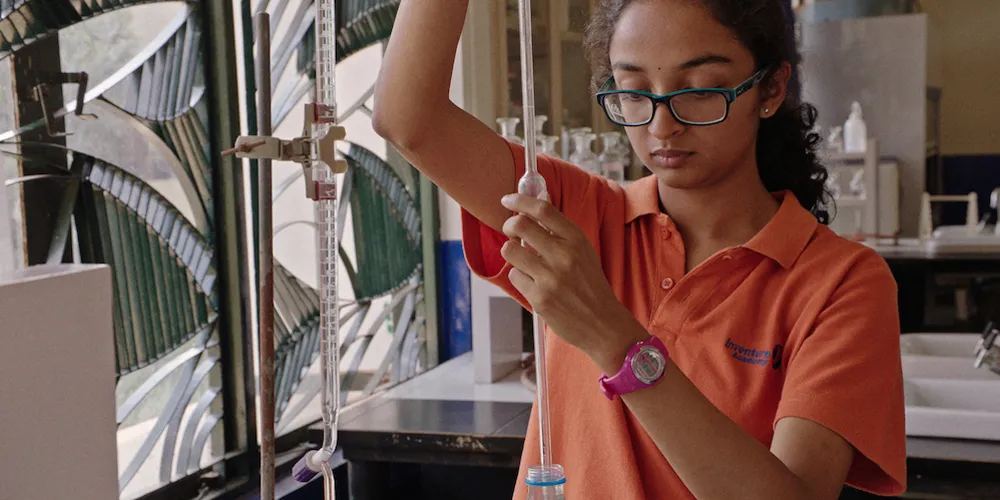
(966, 409)
(950, 345)
(940, 367)
(946, 396)
(985, 242)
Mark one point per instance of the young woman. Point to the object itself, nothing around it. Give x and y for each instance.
(766, 348)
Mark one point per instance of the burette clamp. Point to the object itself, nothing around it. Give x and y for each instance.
(321, 114)
(300, 149)
(326, 150)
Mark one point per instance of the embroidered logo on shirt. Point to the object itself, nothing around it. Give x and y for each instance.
(776, 356)
(757, 357)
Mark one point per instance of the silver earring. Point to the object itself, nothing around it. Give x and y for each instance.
(767, 111)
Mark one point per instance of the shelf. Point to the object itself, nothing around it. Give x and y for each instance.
(836, 156)
(851, 202)
(562, 74)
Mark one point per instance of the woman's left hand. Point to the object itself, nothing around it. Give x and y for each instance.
(561, 277)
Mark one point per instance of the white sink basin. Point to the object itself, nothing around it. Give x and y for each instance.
(967, 409)
(963, 231)
(917, 366)
(978, 243)
(952, 345)
(945, 395)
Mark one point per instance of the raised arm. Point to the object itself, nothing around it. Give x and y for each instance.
(413, 111)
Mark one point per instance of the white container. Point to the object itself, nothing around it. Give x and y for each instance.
(612, 158)
(855, 131)
(583, 154)
(57, 377)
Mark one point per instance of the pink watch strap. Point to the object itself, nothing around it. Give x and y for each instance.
(625, 381)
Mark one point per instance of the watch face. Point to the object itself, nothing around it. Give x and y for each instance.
(648, 364)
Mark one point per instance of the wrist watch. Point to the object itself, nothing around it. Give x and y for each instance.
(643, 367)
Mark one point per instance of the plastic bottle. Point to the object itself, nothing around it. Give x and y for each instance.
(583, 154)
(569, 143)
(611, 159)
(508, 129)
(546, 483)
(855, 131)
(547, 145)
(540, 124)
(623, 148)
(835, 141)
(833, 184)
(858, 184)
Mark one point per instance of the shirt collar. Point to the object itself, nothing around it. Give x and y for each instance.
(782, 240)
(642, 197)
(787, 233)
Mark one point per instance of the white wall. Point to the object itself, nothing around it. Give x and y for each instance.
(880, 62)
(965, 43)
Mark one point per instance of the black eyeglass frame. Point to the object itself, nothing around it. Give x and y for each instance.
(729, 94)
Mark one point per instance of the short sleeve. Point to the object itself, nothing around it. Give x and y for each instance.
(847, 376)
(577, 194)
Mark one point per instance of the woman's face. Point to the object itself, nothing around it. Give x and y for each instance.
(666, 45)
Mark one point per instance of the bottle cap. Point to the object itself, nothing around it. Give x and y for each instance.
(856, 110)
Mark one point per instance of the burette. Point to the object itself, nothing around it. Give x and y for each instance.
(326, 216)
(533, 184)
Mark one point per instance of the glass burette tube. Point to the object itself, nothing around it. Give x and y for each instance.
(326, 218)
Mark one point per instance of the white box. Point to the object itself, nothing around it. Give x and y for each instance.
(497, 332)
(57, 384)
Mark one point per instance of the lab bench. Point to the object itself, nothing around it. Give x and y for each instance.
(439, 436)
(921, 273)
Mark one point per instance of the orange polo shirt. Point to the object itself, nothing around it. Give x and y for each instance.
(797, 322)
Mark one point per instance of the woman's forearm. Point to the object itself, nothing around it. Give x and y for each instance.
(416, 73)
(713, 456)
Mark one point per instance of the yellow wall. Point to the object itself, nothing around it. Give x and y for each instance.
(965, 57)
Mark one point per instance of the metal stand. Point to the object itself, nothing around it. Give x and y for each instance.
(262, 23)
(303, 150)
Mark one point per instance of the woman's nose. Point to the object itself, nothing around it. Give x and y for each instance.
(664, 125)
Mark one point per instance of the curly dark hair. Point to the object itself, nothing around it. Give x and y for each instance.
(786, 144)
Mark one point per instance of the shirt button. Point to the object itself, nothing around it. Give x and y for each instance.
(665, 233)
(667, 284)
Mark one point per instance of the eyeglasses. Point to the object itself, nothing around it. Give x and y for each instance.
(698, 107)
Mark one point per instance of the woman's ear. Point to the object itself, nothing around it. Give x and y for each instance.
(774, 90)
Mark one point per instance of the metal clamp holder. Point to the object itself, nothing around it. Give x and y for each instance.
(41, 90)
(299, 150)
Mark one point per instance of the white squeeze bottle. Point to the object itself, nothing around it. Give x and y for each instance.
(855, 131)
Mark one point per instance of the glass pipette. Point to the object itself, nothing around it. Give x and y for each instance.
(533, 184)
